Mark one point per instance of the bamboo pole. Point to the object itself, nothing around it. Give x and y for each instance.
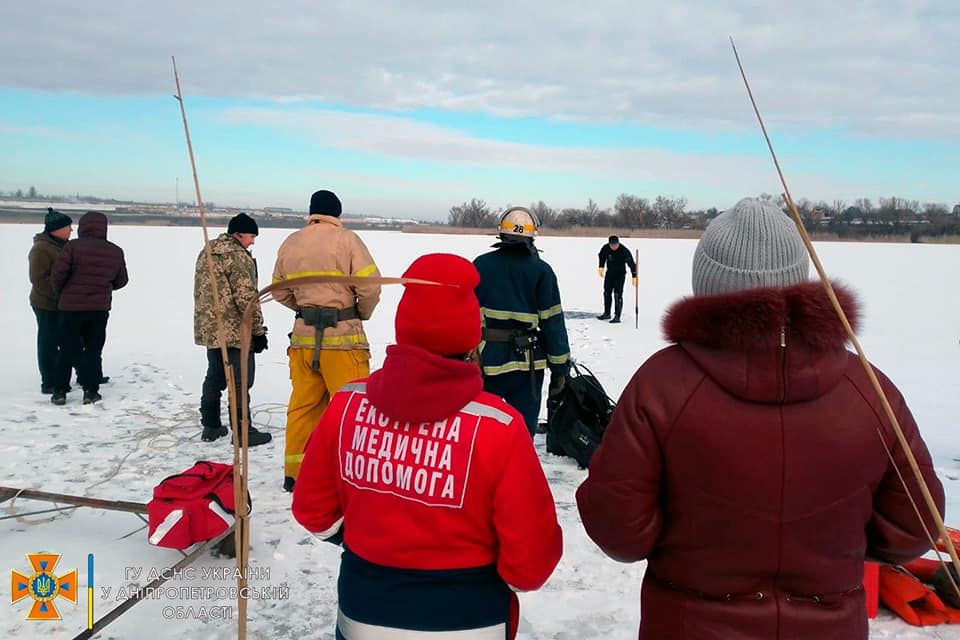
(868, 368)
(240, 438)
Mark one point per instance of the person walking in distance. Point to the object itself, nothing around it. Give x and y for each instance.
(235, 271)
(434, 546)
(85, 275)
(524, 331)
(46, 248)
(328, 347)
(750, 462)
(616, 259)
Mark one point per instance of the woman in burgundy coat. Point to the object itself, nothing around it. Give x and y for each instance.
(747, 463)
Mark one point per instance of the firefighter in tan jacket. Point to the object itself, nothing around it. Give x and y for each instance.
(328, 347)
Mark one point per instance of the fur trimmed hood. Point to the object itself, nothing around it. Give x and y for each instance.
(750, 319)
(766, 345)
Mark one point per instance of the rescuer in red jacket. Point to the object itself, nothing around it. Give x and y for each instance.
(432, 484)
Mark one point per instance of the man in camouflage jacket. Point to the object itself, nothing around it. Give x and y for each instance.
(235, 271)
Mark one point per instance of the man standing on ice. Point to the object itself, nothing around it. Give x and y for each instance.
(328, 347)
(432, 485)
(523, 328)
(235, 271)
(748, 462)
(47, 246)
(615, 258)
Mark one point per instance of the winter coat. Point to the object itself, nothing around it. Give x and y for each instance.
(617, 261)
(236, 273)
(440, 497)
(89, 268)
(745, 463)
(324, 247)
(518, 290)
(43, 255)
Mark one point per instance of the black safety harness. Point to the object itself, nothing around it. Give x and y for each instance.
(322, 318)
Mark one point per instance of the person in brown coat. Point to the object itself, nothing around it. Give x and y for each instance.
(747, 462)
(47, 245)
(85, 275)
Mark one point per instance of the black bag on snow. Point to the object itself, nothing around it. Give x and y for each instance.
(577, 419)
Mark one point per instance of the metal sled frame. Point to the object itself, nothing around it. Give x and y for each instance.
(137, 508)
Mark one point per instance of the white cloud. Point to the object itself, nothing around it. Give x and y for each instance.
(878, 68)
(663, 171)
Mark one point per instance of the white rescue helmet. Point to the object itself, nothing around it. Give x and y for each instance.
(518, 222)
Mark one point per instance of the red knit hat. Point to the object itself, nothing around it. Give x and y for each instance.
(444, 320)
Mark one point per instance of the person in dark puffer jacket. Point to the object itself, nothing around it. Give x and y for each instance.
(85, 276)
(748, 461)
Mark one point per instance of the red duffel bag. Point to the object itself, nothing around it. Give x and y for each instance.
(193, 506)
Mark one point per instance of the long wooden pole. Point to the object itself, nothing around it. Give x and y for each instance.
(240, 436)
(871, 375)
(7, 493)
(636, 290)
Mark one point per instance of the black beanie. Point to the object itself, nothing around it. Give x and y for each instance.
(613, 240)
(55, 220)
(242, 223)
(325, 203)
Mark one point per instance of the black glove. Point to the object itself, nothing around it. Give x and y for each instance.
(259, 343)
(557, 384)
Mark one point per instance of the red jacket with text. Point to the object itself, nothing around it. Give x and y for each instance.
(439, 495)
(747, 463)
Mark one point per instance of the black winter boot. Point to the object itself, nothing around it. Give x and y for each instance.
(288, 483)
(255, 438)
(212, 433)
(89, 397)
(605, 316)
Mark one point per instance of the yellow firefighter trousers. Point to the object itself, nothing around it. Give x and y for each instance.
(311, 394)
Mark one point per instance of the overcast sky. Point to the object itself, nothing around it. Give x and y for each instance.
(406, 108)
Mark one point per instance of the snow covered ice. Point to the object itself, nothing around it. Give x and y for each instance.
(147, 427)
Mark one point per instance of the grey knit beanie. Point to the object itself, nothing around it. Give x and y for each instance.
(754, 244)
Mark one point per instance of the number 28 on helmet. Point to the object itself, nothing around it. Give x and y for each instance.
(518, 222)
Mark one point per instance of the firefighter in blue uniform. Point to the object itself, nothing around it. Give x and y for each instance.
(523, 328)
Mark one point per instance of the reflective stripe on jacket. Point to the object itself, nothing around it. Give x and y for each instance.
(519, 291)
(325, 247)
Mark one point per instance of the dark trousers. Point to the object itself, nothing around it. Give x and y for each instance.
(216, 381)
(613, 289)
(514, 387)
(48, 345)
(82, 336)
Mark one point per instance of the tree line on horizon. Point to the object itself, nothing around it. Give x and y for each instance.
(889, 216)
